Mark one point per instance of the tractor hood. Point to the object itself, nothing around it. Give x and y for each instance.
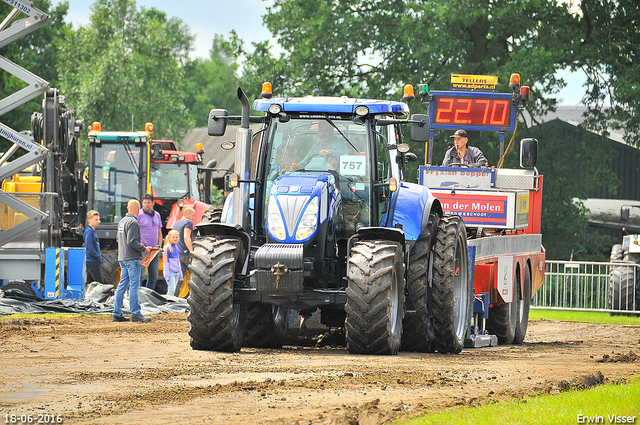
(299, 204)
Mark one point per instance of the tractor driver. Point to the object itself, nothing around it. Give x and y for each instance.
(329, 147)
(461, 154)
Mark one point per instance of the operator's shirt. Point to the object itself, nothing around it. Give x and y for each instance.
(337, 147)
(472, 157)
(149, 226)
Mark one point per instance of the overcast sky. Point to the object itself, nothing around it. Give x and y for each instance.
(206, 18)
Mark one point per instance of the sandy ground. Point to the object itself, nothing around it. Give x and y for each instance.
(91, 370)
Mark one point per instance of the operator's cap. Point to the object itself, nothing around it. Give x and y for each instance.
(459, 133)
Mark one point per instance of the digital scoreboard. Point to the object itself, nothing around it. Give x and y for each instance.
(472, 110)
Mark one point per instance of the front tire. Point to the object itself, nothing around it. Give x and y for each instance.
(450, 293)
(375, 298)
(216, 322)
(265, 325)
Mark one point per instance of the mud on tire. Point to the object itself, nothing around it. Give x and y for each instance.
(216, 322)
(375, 298)
(451, 299)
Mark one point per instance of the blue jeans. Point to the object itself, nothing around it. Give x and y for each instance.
(152, 272)
(172, 282)
(129, 279)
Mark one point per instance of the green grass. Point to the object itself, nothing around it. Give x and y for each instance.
(583, 316)
(18, 316)
(611, 399)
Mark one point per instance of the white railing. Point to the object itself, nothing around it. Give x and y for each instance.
(582, 285)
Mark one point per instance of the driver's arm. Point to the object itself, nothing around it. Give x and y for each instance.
(447, 157)
(313, 151)
(478, 158)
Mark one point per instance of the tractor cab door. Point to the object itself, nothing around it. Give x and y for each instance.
(385, 140)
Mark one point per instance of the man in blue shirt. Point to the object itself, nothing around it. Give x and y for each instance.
(150, 235)
(92, 248)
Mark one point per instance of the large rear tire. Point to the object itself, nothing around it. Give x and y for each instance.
(451, 299)
(617, 253)
(265, 325)
(621, 288)
(417, 329)
(110, 268)
(524, 305)
(216, 322)
(212, 215)
(375, 298)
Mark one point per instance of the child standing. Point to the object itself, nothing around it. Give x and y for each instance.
(92, 248)
(171, 261)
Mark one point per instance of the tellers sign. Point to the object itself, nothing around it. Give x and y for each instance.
(479, 111)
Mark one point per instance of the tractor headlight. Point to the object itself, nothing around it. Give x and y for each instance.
(362, 110)
(275, 109)
(275, 224)
(308, 221)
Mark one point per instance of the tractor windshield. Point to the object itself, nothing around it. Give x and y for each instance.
(338, 146)
(317, 145)
(171, 180)
(116, 177)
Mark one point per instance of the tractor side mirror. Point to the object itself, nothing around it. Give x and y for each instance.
(156, 148)
(410, 157)
(420, 128)
(217, 122)
(227, 183)
(528, 153)
(624, 214)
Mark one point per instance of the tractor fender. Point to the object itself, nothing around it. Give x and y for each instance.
(412, 208)
(230, 230)
(378, 233)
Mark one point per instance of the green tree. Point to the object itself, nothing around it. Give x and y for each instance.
(213, 83)
(126, 67)
(371, 49)
(610, 36)
(37, 53)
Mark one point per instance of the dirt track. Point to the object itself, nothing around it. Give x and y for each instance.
(90, 370)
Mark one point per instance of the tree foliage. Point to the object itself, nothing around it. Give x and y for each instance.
(610, 39)
(126, 67)
(213, 82)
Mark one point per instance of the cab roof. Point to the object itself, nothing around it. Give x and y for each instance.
(131, 136)
(336, 105)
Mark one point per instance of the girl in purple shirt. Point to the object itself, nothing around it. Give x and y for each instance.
(171, 261)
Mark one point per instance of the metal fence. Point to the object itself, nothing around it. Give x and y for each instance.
(591, 286)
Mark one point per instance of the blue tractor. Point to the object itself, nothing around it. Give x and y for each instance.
(321, 220)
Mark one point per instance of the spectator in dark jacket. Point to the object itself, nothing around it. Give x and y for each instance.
(460, 153)
(92, 248)
(184, 226)
(130, 252)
